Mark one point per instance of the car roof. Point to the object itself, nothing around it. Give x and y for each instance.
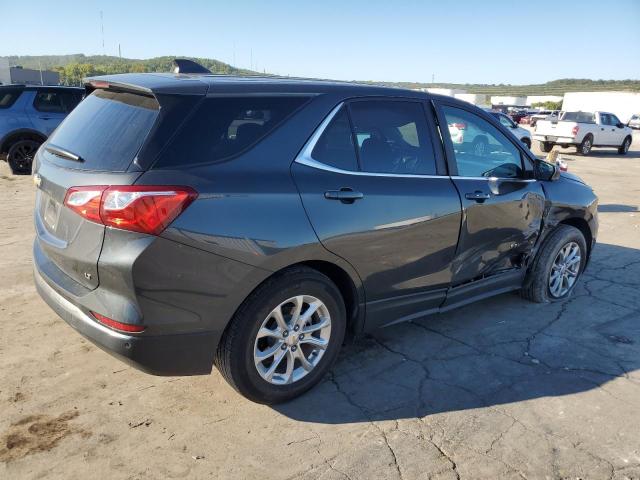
(22, 86)
(169, 83)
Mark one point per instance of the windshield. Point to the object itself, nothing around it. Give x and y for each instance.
(105, 130)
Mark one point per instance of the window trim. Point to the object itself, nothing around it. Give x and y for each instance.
(305, 158)
(450, 156)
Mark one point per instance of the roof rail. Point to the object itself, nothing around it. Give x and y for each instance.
(182, 65)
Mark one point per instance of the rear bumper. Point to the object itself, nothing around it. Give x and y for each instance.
(171, 354)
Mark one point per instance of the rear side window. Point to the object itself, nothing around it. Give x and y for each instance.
(49, 102)
(8, 96)
(106, 130)
(223, 127)
(335, 145)
(392, 137)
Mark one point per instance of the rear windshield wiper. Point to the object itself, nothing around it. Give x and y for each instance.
(61, 152)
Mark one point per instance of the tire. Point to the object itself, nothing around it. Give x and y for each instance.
(538, 285)
(20, 156)
(480, 146)
(624, 148)
(586, 145)
(545, 146)
(527, 142)
(235, 356)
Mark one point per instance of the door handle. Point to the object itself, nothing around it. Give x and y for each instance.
(345, 195)
(478, 196)
(602, 129)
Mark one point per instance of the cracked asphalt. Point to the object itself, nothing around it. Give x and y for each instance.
(500, 389)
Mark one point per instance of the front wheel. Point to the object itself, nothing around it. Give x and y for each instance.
(284, 337)
(20, 156)
(557, 267)
(624, 148)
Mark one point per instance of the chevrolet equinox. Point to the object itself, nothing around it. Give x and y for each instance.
(186, 220)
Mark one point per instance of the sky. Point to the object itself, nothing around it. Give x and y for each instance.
(457, 41)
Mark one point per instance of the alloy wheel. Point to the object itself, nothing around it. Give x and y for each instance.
(292, 340)
(586, 146)
(565, 270)
(22, 156)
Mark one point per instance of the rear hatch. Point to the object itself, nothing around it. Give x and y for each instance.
(95, 145)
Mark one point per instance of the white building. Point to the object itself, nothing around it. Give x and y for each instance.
(507, 100)
(26, 76)
(450, 92)
(622, 104)
(531, 99)
(475, 98)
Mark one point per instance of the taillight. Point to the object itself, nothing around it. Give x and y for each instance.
(123, 327)
(85, 201)
(139, 208)
(574, 130)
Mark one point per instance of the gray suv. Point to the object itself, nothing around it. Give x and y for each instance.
(28, 115)
(255, 223)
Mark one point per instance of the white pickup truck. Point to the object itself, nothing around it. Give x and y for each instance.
(583, 130)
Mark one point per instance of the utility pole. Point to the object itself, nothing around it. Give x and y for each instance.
(40, 67)
(119, 51)
(433, 78)
(251, 63)
(102, 30)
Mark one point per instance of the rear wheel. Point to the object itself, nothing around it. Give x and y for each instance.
(20, 156)
(284, 338)
(585, 147)
(624, 148)
(557, 267)
(545, 146)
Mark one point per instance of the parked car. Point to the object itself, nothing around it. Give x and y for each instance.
(634, 121)
(517, 115)
(526, 119)
(584, 130)
(521, 133)
(178, 228)
(543, 115)
(28, 115)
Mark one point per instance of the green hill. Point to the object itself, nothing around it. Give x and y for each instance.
(73, 68)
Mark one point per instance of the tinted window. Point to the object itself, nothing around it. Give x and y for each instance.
(392, 137)
(605, 119)
(106, 130)
(48, 101)
(481, 150)
(8, 96)
(223, 127)
(506, 121)
(335, 145)
(581, 117)
(614, 119)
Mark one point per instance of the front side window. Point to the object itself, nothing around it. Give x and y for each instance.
(480, 149)
(49, 102)
(614, 120)
(392, 137)
(8, 96)
(335, 145)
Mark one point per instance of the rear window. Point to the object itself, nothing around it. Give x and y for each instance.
(580, 117)
(106, 130)
(221, 128)
(8, 96)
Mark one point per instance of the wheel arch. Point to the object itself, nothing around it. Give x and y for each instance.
(21, 134)
(582, 225)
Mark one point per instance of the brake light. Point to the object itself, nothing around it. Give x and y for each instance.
(574, 130)
(139, 208)
(123, 327)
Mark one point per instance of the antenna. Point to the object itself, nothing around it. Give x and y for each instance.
(102, 30)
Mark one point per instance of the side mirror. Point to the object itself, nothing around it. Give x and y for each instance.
(546, 171)
(620, 125)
